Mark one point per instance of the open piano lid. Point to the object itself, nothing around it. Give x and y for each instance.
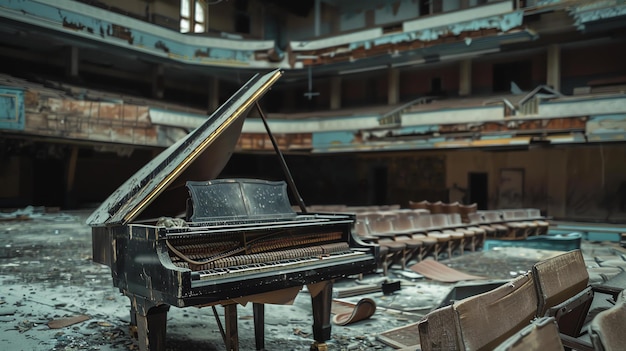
(158, 188)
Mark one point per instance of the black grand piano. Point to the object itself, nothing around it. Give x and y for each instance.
(174, 235)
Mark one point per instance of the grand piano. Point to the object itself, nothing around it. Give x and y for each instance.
(174, 235)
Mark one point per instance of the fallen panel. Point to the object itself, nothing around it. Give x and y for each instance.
(438, 271)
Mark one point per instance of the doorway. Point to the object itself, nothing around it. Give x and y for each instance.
(478, 187)
(49, 182)
(379, 183)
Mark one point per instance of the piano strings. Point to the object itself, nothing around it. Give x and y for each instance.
(203, 255)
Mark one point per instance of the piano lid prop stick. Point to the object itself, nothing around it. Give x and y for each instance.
(283, 164)
(219, 324)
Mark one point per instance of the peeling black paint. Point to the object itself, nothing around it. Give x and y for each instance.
(161, 45)
(200, 53)
(74, 26)
(121, 33)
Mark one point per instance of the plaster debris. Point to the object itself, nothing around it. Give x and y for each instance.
(53, 279)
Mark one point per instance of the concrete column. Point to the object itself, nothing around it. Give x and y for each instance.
(214, 94)
(335, 93)
(465, 77)
(393, 86)
(158, 81)
(70, 199)
(71, 67)
(554, 67)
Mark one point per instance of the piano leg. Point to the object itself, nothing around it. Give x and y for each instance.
(133, 322)
(321, 300)
(151, 324)
(258, 310)
(232, 334)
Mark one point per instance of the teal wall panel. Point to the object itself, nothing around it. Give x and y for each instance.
(11, 108)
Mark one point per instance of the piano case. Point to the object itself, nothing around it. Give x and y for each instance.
(174, 235)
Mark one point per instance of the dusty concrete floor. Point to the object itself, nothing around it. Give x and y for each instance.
(47, 274)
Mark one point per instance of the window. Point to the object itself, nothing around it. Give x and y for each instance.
(193, 16)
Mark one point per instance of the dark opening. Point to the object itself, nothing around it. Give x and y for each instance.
(242, 23)
(435, 85)
(49, 182)
(241, 5)
(275, 30)
(478, 189)
(242, 19)
(371, 90)
(437, 6)
(424, 7)
(506, 73)
(380, 185)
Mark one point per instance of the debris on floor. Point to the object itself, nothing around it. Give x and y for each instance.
(49, 281)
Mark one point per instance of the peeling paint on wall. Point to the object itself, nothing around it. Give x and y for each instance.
(606, 124)
(11, 108)
(97, 24)
(92, 120)
(597, 10)
(502, 23)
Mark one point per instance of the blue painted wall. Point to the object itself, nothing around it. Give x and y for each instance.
(11, 108)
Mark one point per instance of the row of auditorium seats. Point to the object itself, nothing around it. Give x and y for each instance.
(511, 224)
(544, 309)
(442, 207)
(520, 222)
(404, 235)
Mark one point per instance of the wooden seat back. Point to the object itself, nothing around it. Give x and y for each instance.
(559, 278)
(542, 334)
(439, 330)
(487, 319)
(562, 289)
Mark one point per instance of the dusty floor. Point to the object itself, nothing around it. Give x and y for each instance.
(46, 274)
